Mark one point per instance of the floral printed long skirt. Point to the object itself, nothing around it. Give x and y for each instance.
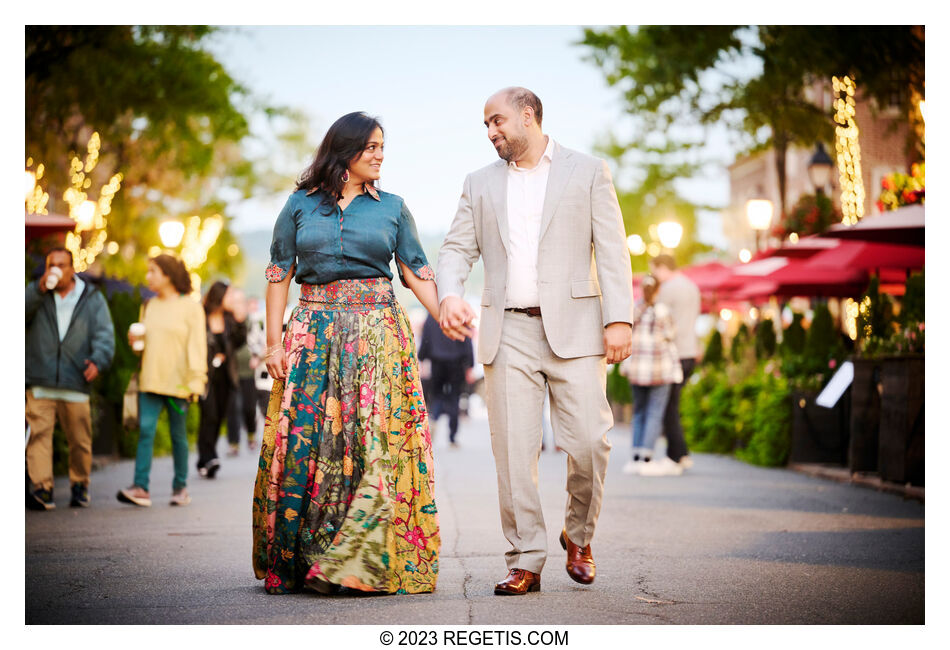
(345, 489)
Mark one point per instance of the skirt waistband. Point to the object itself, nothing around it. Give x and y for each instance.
(350, 293)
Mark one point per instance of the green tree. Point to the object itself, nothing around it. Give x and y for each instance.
(170, 118)
(750, 79)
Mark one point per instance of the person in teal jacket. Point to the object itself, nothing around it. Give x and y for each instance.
(70, 341)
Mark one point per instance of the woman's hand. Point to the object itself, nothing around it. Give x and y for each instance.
(277, 364)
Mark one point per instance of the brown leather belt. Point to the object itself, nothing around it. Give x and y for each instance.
(530, 311)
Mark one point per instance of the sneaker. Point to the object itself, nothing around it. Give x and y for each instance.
(80, 497)
(233, 450)
(251, 444)
(40, 500)
(135, 495)
(632, 467)
(686, 462)
(663, 467)
(203, 472)
(212, 467)
(180, 497)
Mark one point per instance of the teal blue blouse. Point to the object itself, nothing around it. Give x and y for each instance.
(358, 242)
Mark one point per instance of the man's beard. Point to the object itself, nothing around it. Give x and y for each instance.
(512, 148)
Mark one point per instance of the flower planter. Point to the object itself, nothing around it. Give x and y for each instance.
(865, 416)
(901, 437)
(819, 434)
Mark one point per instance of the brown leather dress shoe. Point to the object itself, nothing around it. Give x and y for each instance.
(580, 563)
(518, 583)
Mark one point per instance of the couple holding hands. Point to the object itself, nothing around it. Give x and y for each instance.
(344, 496)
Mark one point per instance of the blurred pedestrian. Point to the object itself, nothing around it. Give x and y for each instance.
(681, 295)
(651, 369)
(225, 313)
(345, 488)
(242, 409)
(451, 363)
(69, 342)
(171, 338)
(257, 344)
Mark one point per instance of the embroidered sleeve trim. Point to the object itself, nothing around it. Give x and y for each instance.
(274, 273)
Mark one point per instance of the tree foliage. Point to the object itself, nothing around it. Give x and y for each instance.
(170, 117)
(749, 79)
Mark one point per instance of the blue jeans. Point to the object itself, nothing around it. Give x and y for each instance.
(649, 405)
(150, 406)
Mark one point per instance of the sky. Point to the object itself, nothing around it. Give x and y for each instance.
(428, 85)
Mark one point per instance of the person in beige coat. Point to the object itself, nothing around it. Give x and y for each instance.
(556, 309)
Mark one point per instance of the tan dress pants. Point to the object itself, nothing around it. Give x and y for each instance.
(76, 421)
(580, 415)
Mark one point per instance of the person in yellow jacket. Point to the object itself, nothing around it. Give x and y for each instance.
(174, 371)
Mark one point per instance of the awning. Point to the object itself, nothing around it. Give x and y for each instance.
(38, 225)
(901, 226)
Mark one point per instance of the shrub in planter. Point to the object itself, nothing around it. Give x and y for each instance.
(710, 418)
(714, 352)
(770, 442)
(765, 340)
(793, 338)
(739, 343)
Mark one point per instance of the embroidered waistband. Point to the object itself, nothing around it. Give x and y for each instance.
(354, 292)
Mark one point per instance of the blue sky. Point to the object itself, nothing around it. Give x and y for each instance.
(428, 85)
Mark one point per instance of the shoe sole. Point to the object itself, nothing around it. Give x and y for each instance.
(534, 587)
(135, 501)
(35, 504)
(78, 504)
(213, 470)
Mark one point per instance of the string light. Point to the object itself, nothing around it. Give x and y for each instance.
(848, 151)
(851, 312)
(89, 215)
(200, 236)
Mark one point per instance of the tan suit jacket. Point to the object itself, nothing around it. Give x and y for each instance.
(584, 277)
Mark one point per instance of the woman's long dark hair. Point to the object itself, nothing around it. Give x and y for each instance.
(175, 270)
(344, 141)
(215, 296)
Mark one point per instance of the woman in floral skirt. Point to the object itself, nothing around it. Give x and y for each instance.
(344, 495)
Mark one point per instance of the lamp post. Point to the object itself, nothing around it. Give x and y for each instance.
(819, 169)
(759, 214)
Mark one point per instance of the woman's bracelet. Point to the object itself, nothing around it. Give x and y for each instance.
(271, 351)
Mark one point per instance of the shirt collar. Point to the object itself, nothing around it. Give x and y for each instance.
(76, 291)
(367, 189)
(548, 153)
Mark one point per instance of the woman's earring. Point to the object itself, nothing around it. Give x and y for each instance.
(346, 175)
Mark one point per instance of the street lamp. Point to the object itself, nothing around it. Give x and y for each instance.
(819, 168)
(669, 233)
(759, 214)
(171, 233)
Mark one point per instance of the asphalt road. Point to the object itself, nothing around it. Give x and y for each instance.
(726, 543)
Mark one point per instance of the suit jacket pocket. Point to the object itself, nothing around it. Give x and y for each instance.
(584, 289)
(486, 297)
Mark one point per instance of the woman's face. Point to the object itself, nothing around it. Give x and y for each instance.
(155, 278)
(365, 167)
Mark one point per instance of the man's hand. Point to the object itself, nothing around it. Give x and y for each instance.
(618, 342)
(91, 371)
(455, 318)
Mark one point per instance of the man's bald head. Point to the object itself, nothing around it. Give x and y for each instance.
(520, 98)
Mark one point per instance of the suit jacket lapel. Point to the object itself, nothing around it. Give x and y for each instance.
(499, 199)
(562, 164)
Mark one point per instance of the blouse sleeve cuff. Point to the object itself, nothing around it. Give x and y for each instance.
(275, 273)
(423, 272)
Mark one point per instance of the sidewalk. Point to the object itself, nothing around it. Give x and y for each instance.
(724, 543)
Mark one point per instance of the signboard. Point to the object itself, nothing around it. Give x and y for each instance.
(835, 388)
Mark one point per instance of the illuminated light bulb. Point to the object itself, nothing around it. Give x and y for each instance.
(725, 314)
(745, 255)
(154, 251)
(112, 247)
(233, 250)
(793, 238)
(654, 249)
(85, 215)
(171, 233)
(753, 313)
(636, 245)
(670, 233)
(29, 183)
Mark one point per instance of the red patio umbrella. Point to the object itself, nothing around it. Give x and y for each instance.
(38, 225)
(902, 226)
(869, 256)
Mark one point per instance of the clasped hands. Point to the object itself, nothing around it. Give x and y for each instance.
(455, 318)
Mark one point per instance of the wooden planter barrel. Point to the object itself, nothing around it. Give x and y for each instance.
(865, 416)
(901, 437)
(819, 434)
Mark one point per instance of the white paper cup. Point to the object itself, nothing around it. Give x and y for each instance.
(53, 278)
(137, 331)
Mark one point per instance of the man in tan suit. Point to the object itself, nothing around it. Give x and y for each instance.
(557, 307)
